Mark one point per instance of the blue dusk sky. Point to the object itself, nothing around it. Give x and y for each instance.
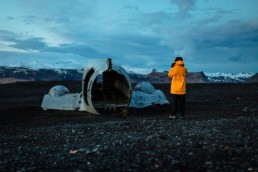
(139, 35)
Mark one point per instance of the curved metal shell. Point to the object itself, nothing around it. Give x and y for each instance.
(106, 88)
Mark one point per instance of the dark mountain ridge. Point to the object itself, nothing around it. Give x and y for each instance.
(253, 79)
(26, 74)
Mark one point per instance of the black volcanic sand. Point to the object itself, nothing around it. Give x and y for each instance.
(219, 132)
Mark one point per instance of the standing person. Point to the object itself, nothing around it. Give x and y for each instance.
(178, 87)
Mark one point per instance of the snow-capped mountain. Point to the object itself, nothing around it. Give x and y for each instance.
(228, 77)
(46, 61)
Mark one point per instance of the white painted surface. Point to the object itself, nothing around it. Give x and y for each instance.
(145, 95)
(64, 102)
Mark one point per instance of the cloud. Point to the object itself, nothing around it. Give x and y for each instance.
(131, 7)
(79, 50)
(10, 18)
(156, 18)
(7, 35)
(236, 59)
(184, 7)
(135, 34)
(234, 34)
(29, 19)
(214, 47)
(35, 43)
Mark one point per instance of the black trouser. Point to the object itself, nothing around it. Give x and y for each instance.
(179, 104)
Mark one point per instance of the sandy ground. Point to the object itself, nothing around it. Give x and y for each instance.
(11, 80)
(219, 132)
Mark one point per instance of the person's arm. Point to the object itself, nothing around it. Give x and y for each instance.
(171, 73)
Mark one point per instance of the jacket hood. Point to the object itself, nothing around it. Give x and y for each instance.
(179, 63)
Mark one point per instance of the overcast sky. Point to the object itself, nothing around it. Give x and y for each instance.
(140, 35)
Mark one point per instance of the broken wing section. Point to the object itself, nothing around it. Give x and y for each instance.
(59, 98)
(144, 95)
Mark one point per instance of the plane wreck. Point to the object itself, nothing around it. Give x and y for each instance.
(106, 89)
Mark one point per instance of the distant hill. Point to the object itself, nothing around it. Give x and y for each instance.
(21, 73)
(196, 77)
(18, 74)
(153, 77)
(253, 79)
(162, 77)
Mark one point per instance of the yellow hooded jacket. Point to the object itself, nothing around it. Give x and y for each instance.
(178, 75)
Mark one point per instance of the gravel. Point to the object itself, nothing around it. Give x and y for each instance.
(133, 144)
(219, 132)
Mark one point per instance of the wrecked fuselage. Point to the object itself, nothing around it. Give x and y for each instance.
(106, 89)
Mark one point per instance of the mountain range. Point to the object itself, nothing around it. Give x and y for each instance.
(15, 74)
